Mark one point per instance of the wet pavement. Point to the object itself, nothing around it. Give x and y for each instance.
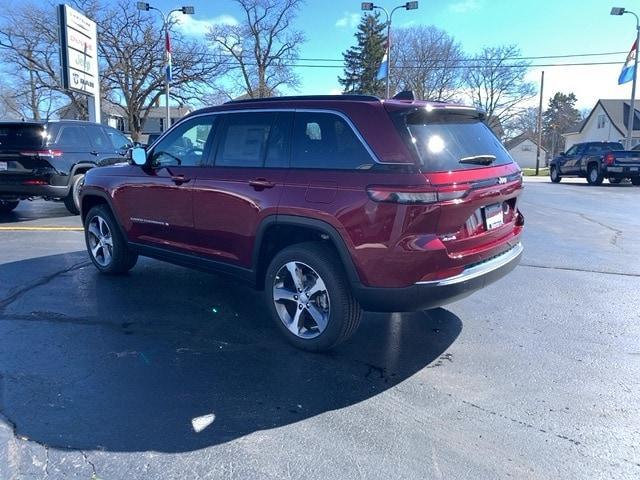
(172, 373)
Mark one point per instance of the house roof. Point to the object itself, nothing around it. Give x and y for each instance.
(514, 142)
(618, 112)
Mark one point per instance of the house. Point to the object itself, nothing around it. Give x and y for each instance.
(523, 149)
(115, 116)
(607, 122)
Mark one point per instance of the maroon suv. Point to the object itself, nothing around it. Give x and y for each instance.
(330, 204)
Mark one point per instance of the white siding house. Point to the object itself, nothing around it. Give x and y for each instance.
(607, 122)
(523, 149)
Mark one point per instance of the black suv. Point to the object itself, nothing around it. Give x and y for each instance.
(49, 159)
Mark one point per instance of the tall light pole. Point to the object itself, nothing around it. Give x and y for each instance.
(632, 107)
(368, 6)
(144, 6)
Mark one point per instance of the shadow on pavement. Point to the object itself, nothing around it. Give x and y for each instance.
(141, 362)
(38, 210)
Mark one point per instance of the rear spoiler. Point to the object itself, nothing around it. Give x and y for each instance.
(435, 109)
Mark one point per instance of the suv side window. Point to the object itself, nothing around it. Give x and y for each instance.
(117, 139)
(73, 138)
(98, 139)
(325, 140)
(186, 145)
(243, 139)
(572, 150)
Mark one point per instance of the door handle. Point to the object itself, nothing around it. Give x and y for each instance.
(261, 183)
(94, 152)
(180, 179)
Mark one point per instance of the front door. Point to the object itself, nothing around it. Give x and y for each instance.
(158, 198)
(244, 184)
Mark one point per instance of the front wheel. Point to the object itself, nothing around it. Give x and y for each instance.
(594, 175)
(309, 297)
(635, 181)
(106, 245)
(555, 175)
(7, 206)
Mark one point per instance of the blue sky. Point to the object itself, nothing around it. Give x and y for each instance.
(544, 27)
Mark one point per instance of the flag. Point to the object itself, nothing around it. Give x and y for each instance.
(626, 75)
(167, 58)
(384, 67)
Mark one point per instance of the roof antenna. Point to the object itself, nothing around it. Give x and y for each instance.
(405, 95)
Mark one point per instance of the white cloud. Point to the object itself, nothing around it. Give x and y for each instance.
(200, 27)
(335, 91)
(465, 6)
(350, 20)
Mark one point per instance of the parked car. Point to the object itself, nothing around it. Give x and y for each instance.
(50, 159)
(596, 161)
(330, 205)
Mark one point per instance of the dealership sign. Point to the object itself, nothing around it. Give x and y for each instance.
(78, 52)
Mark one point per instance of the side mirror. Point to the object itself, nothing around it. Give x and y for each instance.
(562, 154)
(139, 156)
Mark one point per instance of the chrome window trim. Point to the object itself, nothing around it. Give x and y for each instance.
(340, 114)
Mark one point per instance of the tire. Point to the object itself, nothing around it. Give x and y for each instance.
(615, 181)
(334, 302)
(7, 206)
(106, 245)
(554, 174)
(594, 175)
(635, 181)
(72, 200)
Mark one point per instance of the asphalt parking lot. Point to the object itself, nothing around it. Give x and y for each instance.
(171, 373)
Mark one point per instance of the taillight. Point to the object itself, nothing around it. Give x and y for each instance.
(609, 158)
(413, 195)
(42, 153)
(34, 182)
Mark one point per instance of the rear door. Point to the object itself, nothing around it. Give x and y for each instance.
(243, 185)
(101, 148)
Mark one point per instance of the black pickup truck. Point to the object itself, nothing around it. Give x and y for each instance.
(596, 161)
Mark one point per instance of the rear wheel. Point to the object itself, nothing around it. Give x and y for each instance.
(555, 175)
(615, 181)
(635, 181)
(594, 175)
(72, 200)
(106, 245)
(309, 297)
(7, 206)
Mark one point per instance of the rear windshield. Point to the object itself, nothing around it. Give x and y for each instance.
(18, 136)
(442, 142)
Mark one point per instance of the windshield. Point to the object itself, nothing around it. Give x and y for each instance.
(442, 143)
(20, 135)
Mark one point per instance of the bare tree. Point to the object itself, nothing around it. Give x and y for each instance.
(495, 80)
(29, 50)
(525, 120)
(262, 46)
(428, 61)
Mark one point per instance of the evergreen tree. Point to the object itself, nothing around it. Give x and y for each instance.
(560, 115)
(363, 60)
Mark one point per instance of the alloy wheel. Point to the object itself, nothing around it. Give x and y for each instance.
(301, 300)
(100, 241)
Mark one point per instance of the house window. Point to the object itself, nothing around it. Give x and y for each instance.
(602, 119)
(526, 148)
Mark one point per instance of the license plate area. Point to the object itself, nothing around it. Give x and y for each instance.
(4, 166)
(493, 216)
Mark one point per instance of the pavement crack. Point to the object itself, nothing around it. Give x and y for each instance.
(5, 302)
(46, 461)
(573, 269)
(617, 233)
(94, 476)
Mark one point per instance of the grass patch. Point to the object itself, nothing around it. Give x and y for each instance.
(531, 172)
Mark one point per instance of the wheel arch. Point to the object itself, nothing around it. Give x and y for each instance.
(91, 198)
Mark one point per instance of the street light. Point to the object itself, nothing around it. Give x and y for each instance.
(187, 10)
(618, 11)
(368, 6)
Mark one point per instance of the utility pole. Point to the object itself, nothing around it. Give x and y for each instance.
(539, 125)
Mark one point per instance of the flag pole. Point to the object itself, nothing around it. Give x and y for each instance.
(632, 106)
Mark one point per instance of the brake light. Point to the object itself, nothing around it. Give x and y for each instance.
(34, 182)
(413, 195)
(609, 158)
(42, 153)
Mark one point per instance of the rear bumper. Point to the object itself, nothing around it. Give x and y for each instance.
(623, 170)
(22, 191)
(432, 294)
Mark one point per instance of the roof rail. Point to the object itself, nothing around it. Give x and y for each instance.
(357, 98)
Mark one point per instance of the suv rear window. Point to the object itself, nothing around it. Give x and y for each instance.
(442, 141)
(19, 136)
